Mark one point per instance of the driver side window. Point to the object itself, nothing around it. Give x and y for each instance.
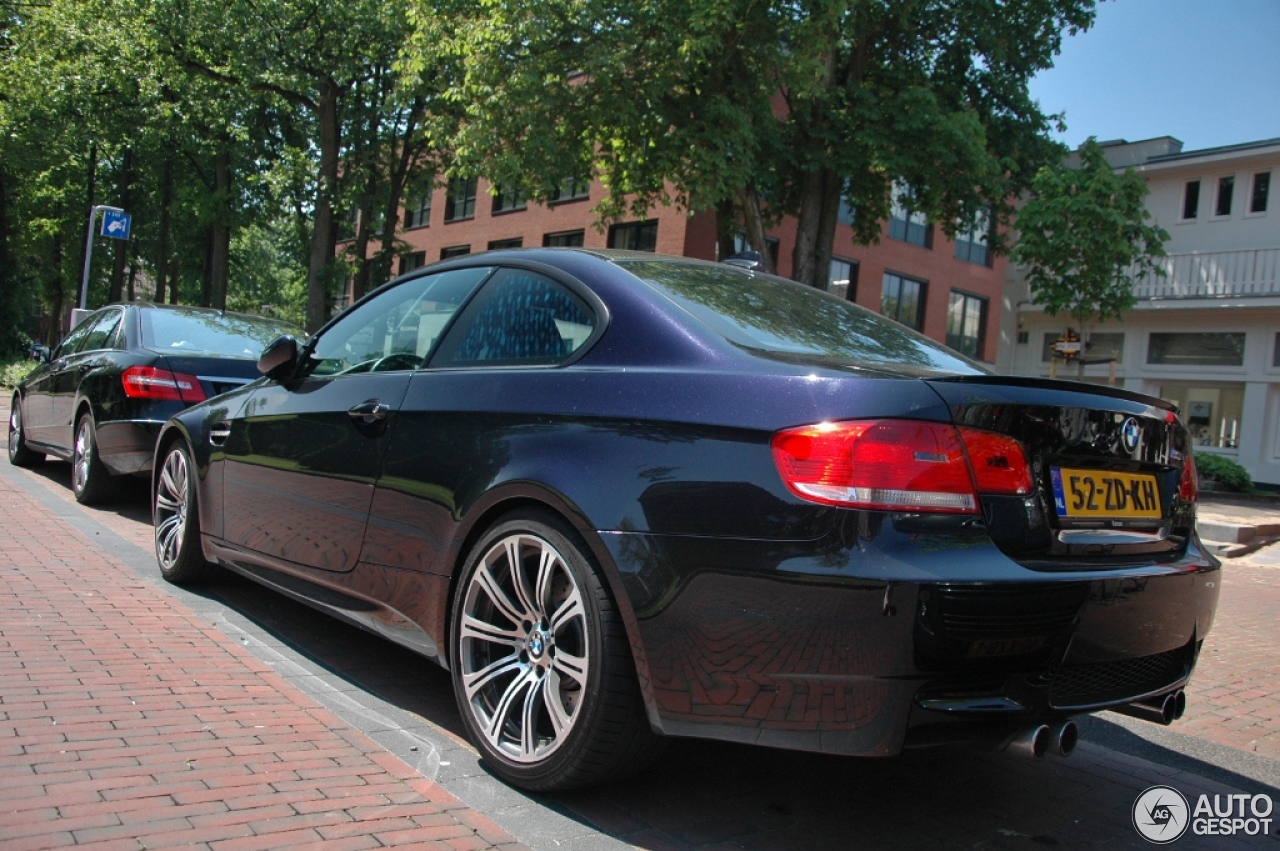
(397, 329)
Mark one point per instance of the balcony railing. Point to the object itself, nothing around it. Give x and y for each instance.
(1214, 274)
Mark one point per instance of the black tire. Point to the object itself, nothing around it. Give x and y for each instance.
(600, 730)
(20, 455)
(91, 481)
(176, 519)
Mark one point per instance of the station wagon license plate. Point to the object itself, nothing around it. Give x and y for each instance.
(1100, 493)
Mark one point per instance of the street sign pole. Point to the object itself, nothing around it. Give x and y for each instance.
(88, 250)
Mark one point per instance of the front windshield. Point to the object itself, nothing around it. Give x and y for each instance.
(788, 321)
(228, 335)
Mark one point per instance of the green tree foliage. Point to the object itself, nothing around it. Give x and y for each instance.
(763, 108)
(1085, 237)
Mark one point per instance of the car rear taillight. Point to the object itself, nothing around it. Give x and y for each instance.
(1188, 488)
(149, 382)
(899, 465)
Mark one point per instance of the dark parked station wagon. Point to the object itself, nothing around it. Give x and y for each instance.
(623, 496)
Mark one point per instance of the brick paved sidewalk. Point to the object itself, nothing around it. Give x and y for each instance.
(126, 722)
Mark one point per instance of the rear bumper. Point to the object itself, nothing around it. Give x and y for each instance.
(127, 446)
(866, 644)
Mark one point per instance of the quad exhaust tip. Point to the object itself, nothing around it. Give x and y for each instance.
(1163, 709)
(1041, 739)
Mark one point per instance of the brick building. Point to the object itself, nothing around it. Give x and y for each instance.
(949, 290)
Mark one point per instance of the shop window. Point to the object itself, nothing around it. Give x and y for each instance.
(1212, 412)
(1196, 349)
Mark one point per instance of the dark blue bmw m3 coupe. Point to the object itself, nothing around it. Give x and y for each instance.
(623, 497)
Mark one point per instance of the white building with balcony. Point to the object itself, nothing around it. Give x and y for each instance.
(1206, 336)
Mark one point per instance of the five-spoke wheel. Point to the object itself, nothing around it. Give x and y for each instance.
(542, 670)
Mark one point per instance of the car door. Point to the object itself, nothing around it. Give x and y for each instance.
(41, 414)
(302, 456)
(455, 426)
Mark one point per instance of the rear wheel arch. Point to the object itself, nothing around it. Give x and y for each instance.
(489, 511)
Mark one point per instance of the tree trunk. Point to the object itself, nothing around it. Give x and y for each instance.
(121, 258)
(726, 227)
(133, 269)
(206, 270)
(816, 231)
(750, 203)
(406, 155)
(162, 239)
(175, 268)
(54, 294)
(322, 237)
(220, 234)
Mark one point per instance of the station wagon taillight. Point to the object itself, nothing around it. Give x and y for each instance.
(149, 382)
(900, 465)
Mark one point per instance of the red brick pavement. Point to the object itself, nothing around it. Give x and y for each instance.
(126, 722)
(1234, 696)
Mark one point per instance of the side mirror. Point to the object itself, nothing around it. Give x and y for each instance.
(279, 358)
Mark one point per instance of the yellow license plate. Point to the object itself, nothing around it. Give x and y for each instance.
(1098, 493)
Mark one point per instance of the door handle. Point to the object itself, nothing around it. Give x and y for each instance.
(369, 412)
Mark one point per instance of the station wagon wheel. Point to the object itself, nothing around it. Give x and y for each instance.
(91, 481)
(177, 523)
(543, 671)
(20, 455)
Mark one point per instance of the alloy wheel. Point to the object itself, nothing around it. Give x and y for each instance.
(524, 650)
(83, 460)
(15, 429)
(172, 501)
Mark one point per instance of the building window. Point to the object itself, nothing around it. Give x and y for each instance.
(740, 245)
(497, 244)
(635, 236)
(902, 298)
(1261, 189)
(1275, 354)
(1212, 412)
(461, 201)
(1196, 349)
(573, 189)
(418, 212)
(509, 200)
(1101, 345)
(971, 243)
(1191, 199)
(842, 278)
(564, 239)
(907, 223)
(1226, 189)
(966, 323)
(414, 260)
(454, 251)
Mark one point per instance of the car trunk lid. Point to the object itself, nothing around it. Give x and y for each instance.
(1108, 468)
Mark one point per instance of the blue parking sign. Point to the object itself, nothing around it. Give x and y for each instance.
(116, 224)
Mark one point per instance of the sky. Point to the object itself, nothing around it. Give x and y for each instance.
(1203, 71)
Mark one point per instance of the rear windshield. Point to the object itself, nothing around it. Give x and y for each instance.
(788, 321)
(199, 333)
